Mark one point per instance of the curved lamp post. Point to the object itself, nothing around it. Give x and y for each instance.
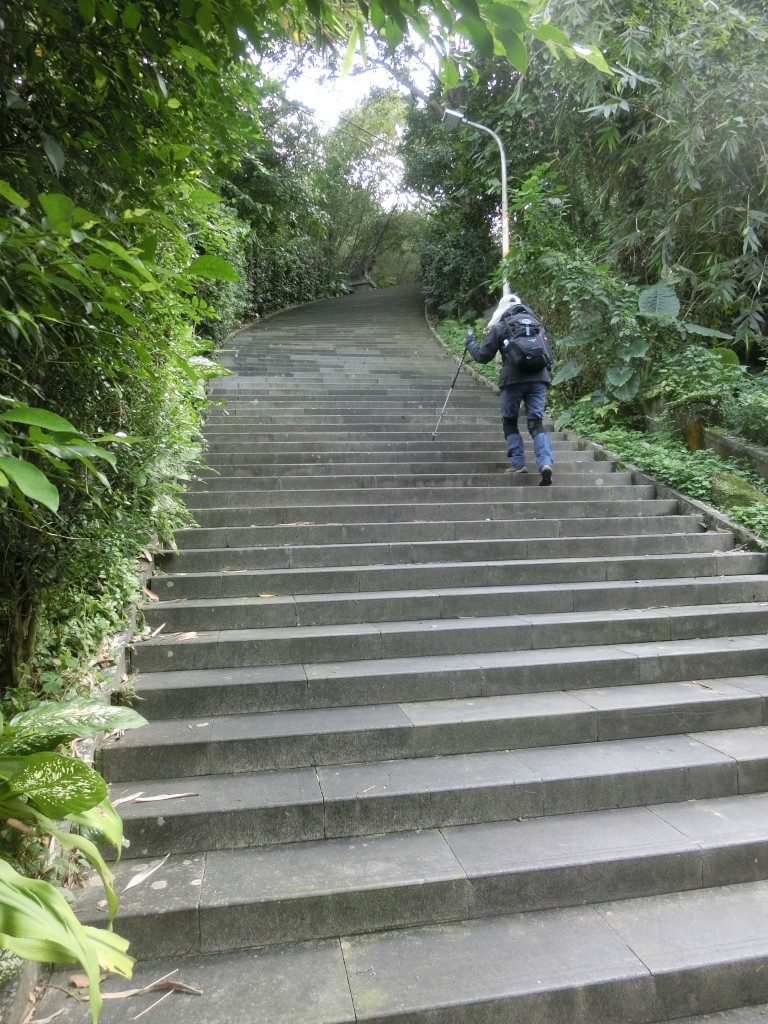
(453, 118)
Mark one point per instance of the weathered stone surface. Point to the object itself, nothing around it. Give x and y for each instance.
(429, 744)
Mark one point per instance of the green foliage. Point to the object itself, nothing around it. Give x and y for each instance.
(456, 266)
(453, 333)
(665, 456)
(105, 339)
(747, 415)
(39, 789)
(754, 516)
(143, 214)
(37, 923)
(672, 147)
(696, 382)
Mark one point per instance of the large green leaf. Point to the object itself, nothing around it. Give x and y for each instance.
(514, 48)
(70, 840)
(59, 210)
(476, 30)
(37, 923)
(660, 301)
(634, 348)
(708, 332)
(617, 376)
(54, 152)
(592, 56)
(103, 820)
(48, 725)
(505, 16)
(38, 418)
(30, 481)
(567, 371)
(628, 390)
(58, 785)
(214, 267)
(12, 195)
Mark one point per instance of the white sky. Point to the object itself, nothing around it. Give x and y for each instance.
(329, 99)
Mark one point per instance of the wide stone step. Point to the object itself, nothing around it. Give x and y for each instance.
(466, 436)
(246, 440)
(219, 812)
(199, 693)
(348, 735)
(397, 473)
(518, 533)
(370, 641)
(492, 507)
(632, 961)
(266, 461)
(377, 575)
(440, 449)
(304, 560)
(270, 610)
(397, 490)
(430, 744)
(364, 480)
(239, 899)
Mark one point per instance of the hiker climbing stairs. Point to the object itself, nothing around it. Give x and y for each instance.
(428, 743)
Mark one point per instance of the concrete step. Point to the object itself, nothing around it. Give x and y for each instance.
(396, 490)
(329, 479)
(239, 899)
(383, 571)
(544, 503)
(235, 648)
(200, 693)
(310, 448)
(348, 735)
(521, 535)
(305, 560)
(465, 436)
(400, 474)
(242, 809)
(266, 461)
(270, 610)
(430, 744)
(631, 961)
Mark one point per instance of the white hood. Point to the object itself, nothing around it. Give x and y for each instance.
(504, 303)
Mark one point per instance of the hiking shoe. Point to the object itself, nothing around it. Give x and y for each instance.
(515, 470)
(545, 476)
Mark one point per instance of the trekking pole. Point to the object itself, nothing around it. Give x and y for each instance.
(450, 389)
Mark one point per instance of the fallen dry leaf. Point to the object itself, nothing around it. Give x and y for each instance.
(142, 876)
(127, 799)
(152, 1005)
(150, 594)
(81, 980)
(161, 796)
(185, 636)
(47, 1020)
(156, 631)
(157, 986)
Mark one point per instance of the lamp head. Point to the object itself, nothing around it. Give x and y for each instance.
(453, 118)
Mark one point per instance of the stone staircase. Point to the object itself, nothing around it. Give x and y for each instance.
(436, 745)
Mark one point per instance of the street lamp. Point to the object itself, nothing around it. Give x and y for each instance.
(453, 118)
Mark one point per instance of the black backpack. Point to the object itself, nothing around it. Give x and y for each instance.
(526, 343)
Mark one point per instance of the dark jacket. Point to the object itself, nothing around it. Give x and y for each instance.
(509, 373)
